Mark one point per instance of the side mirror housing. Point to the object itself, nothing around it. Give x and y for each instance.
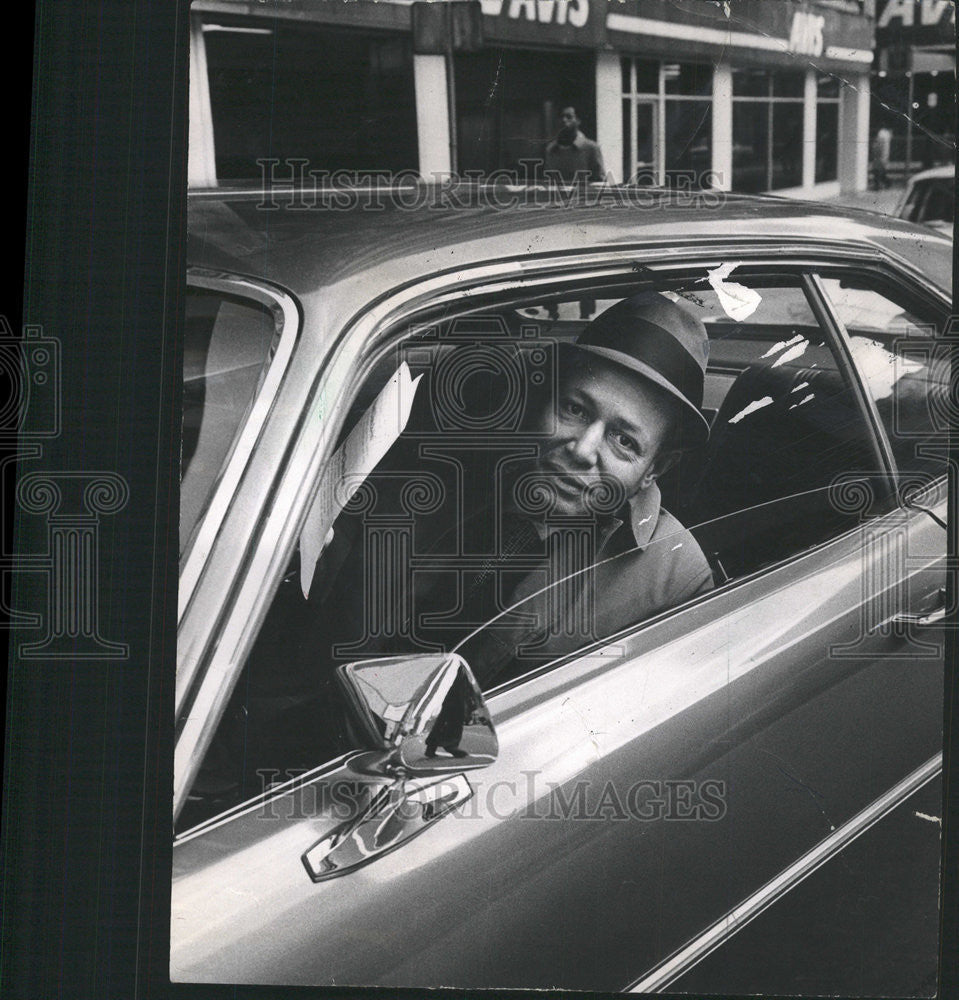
(422, 714)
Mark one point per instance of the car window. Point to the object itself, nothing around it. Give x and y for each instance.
(227, 348)
(910, 207)
(930, 202)
(452, 542)
(893, 340)
(939, 204)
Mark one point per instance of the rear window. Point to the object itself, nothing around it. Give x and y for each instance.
(939, 205)
(931, 201)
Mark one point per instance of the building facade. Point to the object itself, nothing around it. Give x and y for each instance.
(747, 95)
(914, 82)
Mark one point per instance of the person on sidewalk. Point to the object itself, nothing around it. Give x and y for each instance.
(881, 146)
(571, 157)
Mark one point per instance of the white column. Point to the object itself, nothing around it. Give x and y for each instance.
(854, 134)
(201, 161)
(810, 92)
(432, 115)
(722, 137)
(609, 114)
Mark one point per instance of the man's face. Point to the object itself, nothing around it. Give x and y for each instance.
(608, 425)
(569, 119)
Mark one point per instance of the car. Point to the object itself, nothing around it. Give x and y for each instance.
(930, 198)
(615, 813)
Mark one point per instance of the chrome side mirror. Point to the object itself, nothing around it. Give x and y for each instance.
(422, 714)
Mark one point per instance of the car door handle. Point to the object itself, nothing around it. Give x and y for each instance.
(395, 814)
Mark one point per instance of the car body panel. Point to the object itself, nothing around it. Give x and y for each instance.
(739, 686)
(865, 948)
(355, 256)
(740, 698)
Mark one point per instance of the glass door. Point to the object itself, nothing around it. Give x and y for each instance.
(640, 141)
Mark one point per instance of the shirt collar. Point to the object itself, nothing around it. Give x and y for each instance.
(643, 515)
(644, 510)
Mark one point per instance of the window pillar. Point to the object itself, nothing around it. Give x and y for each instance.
(609, 113)
(722, 137)
(201, 161)
(432, 117)
(810, 95)
(854, 134)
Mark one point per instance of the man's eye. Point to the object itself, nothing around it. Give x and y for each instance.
(626, 443)
(572, 408)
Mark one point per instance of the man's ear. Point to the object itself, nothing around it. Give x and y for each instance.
(663, 462)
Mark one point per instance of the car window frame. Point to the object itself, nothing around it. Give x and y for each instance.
(218, 659)
(883, 285)
(840, 342)
(287, 323)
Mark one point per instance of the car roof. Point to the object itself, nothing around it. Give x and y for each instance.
(946, 170)
(390, 236)
(933, 173)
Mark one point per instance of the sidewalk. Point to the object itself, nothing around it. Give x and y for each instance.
(886, 201)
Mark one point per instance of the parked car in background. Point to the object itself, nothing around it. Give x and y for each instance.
(616, 814)
(930, 199)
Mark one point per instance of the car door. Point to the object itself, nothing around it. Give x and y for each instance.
(649, 782)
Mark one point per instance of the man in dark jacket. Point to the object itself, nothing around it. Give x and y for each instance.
(629, 401)
(579, 546)
(571, 157)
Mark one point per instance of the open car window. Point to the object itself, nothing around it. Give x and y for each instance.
(434, 550)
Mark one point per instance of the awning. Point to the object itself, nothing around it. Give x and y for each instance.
(789, 33)
(933, 60)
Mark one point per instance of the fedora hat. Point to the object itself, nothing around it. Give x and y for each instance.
(659, 339)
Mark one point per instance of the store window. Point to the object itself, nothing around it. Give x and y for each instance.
(276, 93)
(827, 128)
(767, 129)
(667, 122)
(508, 106)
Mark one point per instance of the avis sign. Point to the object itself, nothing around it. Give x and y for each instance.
(578, 23)
(805, 36)
(572, 12)
(915, 22)
(909, 13)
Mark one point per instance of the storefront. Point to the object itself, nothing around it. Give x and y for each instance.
(750, 95)
(772, 97)
(914, 82)
(507, 104)
(300, 87)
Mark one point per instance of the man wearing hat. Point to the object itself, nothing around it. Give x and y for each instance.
(580, 546)
(629, 401)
